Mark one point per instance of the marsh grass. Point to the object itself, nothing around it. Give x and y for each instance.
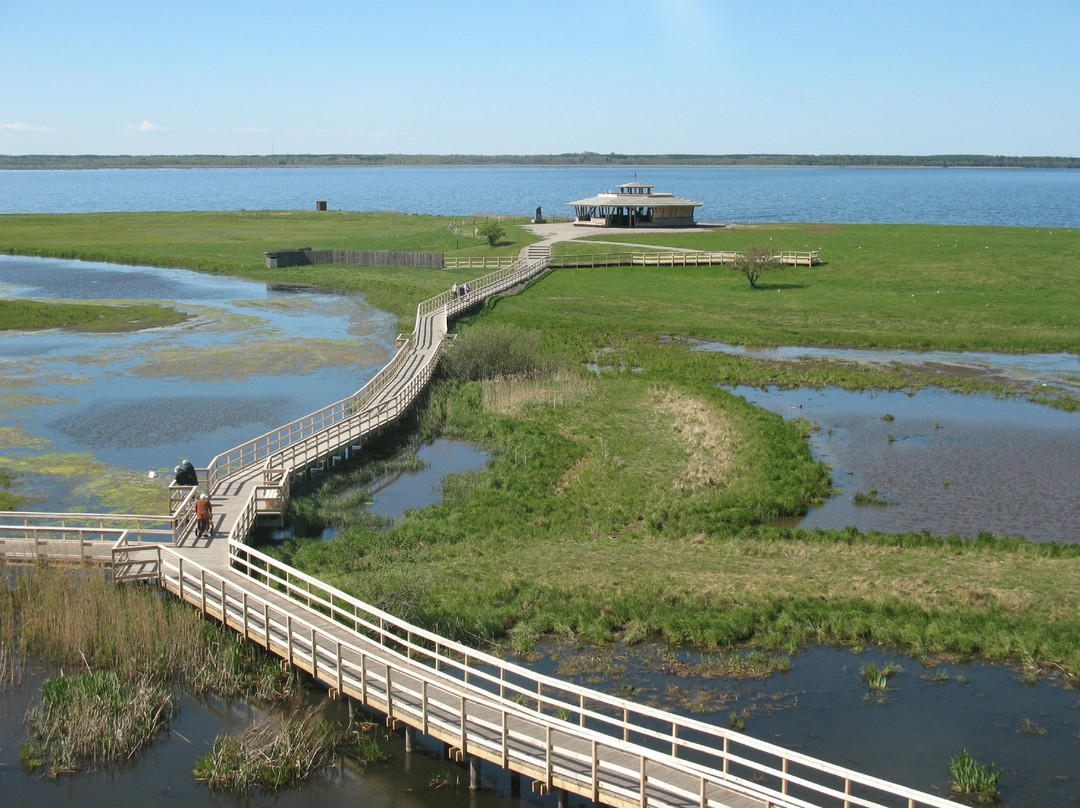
(871, 497)
(877, 679)
(1029, 727)
(978, 782)
(94, 718)
(79, 618)
(281, 750)
(30, 315)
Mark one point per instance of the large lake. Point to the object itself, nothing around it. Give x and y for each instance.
(977, 196)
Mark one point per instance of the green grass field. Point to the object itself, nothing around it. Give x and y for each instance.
(633, 503)
(235, 242)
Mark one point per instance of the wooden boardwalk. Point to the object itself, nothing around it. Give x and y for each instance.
(566, 738)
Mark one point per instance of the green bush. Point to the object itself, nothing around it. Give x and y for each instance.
(492, 351)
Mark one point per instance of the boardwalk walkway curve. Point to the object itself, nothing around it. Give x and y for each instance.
(564, 736)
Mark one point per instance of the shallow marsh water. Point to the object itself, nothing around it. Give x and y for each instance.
(162, 774)
(821, 707)
(402, 491)
(945, 462)
(1056, 370)
(249, 359)
(939, 461)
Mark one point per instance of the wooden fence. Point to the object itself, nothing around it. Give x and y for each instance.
(676, 259)
(306, 256)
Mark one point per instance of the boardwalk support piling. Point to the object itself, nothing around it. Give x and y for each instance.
(474, 773)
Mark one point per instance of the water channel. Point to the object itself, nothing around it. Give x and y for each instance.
(939, 461)
(99, 399)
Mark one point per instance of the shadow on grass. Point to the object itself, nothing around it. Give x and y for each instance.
(761, 287)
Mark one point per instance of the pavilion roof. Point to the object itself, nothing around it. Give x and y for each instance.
(636, 201)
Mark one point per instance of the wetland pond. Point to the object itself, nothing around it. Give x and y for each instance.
(79, 408)
(939, 461)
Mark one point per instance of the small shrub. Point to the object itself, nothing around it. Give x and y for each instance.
(492, 351)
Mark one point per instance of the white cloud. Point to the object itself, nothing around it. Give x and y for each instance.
(146, 126)
(18, 126)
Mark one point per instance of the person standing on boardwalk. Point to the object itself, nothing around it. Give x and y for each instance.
(204, 512)
(190, 477)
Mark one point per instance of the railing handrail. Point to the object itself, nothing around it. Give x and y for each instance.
(387, 656)
(382, 623)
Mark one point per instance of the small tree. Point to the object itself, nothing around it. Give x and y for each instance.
(492, 231)
(753, 262)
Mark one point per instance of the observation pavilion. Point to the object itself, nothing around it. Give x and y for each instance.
(634, 205)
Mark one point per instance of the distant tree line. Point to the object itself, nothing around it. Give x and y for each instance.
(38, 161)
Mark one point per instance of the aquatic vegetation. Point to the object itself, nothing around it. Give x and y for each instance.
(1029, 727)
(871, 497)
(281, 750)
(979, 782)
(94, 718)
(258, 357)
(77, 617)
(877, 680)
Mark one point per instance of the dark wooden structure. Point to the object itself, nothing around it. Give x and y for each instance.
(305, 256)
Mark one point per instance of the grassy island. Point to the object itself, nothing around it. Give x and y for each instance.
(33, 315)
(629, 495)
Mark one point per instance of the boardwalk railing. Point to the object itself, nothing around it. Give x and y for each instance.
(317, 437)
(704, 748)
(86, 526)
(676, 259)
(485, 262)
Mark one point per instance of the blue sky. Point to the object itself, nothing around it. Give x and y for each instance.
(539, 77)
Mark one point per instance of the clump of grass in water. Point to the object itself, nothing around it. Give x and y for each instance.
(871, 497)
(877, 680)
(976, 781)
(280, 751)
(1029, 727)
(94, 718)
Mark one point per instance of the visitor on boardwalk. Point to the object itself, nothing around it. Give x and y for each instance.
(179, 475)
(453, 290)
(204, 512)
(189, 473)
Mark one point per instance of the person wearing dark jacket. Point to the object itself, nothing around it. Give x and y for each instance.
(190, 477)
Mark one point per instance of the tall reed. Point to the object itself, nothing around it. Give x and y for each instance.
(280, 750)
(77, 617)
(94, 718)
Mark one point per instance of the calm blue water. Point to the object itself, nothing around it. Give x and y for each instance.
(1024, 197)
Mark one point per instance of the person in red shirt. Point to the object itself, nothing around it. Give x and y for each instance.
(204, 511)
